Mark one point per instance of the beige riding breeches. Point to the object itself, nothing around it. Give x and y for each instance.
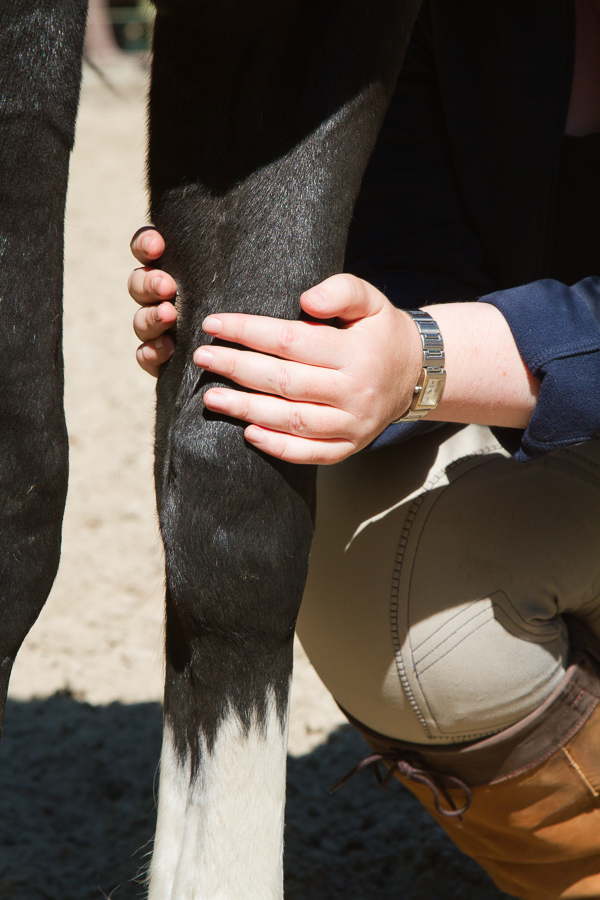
(439, 572)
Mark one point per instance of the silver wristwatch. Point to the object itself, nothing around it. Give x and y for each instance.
(430, 386)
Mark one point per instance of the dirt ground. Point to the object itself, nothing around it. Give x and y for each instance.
(83, 727)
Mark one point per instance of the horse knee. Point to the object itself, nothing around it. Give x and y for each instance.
(33, 486)
(236, 530)
(236, 526)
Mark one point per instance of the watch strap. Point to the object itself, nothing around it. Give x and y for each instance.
(430, 386)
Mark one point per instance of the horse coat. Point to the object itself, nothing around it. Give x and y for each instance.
(262, 119)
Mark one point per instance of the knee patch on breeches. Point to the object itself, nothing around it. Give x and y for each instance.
(436, 617)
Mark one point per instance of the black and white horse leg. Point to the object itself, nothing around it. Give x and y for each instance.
(263, 116)
(40, 69)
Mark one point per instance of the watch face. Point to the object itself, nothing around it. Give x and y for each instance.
(431, 391)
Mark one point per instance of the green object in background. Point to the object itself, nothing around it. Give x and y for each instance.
(132, 22)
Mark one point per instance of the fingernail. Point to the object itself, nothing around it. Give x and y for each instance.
(146, 243)
(158, 344)
(156, 283)
(215, 399)
(203, 358)
(254, 435)
(318, 298)
(212, 325)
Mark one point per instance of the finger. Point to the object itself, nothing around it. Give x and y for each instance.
(270, 375)
(151, 356)
(151, 286)
(313, 343)
(147, 245)
(296, 449)
(151, 322)
(344, 297)
(311, 420)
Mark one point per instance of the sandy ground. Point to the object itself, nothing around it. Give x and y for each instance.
(83, 726)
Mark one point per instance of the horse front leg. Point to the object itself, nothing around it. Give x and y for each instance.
(263, 117)
(236, 528)
(40, 68)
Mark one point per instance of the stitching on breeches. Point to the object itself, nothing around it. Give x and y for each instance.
(398, 564)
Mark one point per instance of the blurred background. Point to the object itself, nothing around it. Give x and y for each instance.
(115, 25)
(83, 726)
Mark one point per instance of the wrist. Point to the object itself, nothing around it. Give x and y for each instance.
(488, 382)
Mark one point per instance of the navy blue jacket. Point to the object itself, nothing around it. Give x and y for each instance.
(459, 199)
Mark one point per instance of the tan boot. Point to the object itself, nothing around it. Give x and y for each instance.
(532, 792)
(537, 834)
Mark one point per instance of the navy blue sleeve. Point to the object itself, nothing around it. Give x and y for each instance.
(557, 331)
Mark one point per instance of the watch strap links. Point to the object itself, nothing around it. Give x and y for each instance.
(430, 386)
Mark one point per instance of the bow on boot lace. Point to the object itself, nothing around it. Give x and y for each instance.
(414, 767)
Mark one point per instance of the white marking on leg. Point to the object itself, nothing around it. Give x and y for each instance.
(220, 837)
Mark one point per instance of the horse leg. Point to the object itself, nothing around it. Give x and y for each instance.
(263, 116)
(40, 68)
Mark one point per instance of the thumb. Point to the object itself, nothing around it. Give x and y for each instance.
(344, 297)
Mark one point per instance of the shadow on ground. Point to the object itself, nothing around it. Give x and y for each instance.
(77, 815)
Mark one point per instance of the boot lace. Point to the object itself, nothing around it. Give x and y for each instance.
(413, 767)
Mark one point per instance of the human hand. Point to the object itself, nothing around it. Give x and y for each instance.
(152, 289)
(323, 391)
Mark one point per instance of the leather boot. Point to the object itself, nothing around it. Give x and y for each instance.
(524, 803)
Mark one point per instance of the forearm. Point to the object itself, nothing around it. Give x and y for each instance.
(487, 382)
